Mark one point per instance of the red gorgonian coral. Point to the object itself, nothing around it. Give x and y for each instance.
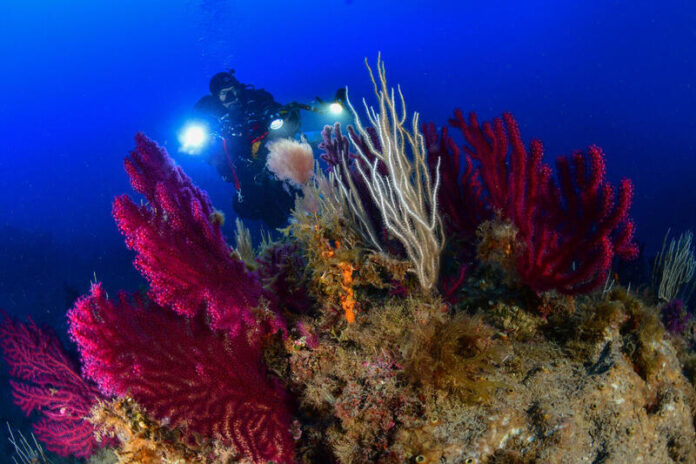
(571, 227)
(194, 356)
(207, 382)
(180, 247)
(48, 381)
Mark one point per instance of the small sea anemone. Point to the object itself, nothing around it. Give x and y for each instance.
(291, 161)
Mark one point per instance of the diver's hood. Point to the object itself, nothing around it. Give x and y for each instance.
(223, 81)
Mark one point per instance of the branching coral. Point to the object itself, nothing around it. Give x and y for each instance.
(196, 355)
(396, 174)
(210, 384)
(349, 193)
(461, 195)
(180, 248)
(26, 452)
(674, 268)
(570, 229)
(48, 381)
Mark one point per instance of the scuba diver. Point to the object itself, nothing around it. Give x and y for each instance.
(245, 120)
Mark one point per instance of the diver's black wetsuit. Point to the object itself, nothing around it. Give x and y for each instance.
(242, 115)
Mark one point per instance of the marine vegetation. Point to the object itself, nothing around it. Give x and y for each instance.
(26, 452)
(431, 301)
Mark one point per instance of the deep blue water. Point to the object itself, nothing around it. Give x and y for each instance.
(80, 78)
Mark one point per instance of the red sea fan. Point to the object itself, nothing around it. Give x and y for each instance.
(211, 384)
(194, 356)
(460, 197)
(48, 381)
(572, 227)
(180, 248)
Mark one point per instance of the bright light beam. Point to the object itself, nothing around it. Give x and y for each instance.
(193, 138)
(276, 124)
(336, 108)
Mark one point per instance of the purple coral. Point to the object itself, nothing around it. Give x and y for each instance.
(180, 247)
(212, 384)
(48, 381)
(675, 317)
(280, 270)
(195, 354)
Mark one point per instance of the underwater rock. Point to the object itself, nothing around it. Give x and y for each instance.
(540, 400)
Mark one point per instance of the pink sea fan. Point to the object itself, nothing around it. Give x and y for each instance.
(180, 248)
(291, 161)
(210, 383)
(45, 380)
